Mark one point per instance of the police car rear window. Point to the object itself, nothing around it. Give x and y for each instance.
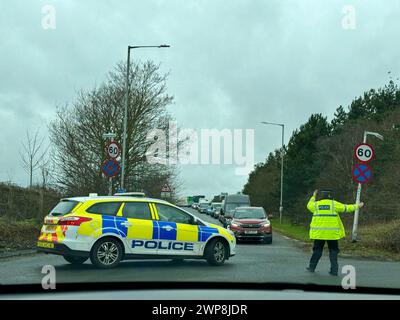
(105, 208)
(63, 207)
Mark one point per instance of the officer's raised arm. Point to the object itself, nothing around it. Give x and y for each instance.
(311, 202)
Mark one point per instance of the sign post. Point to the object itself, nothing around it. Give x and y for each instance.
(110, 167)
(362, 173)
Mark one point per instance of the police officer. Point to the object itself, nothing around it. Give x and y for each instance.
(327, 226)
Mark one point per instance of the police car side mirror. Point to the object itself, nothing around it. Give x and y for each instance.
(194, 221)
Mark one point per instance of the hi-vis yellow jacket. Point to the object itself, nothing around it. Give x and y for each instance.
(326, 223)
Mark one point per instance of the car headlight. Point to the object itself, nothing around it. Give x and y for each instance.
(234, 224)
(266, 224)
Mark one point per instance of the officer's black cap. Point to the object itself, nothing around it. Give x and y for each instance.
(326, 193)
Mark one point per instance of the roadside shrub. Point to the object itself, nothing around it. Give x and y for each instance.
(391, 238)
(18, 235)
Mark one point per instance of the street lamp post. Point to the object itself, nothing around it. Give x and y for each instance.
(282, 151)
(358, 197)
(126, 106)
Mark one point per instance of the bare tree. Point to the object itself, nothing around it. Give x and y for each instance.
(77, 132)
(46, 168)
(32, 154)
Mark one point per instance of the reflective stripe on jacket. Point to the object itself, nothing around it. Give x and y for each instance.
(326, 223)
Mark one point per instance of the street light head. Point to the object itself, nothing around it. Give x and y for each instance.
(273, 123)
(375, 134)
(159, 46)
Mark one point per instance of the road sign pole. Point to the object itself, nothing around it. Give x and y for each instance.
(358, 199)
(355, 223)
(281, 199)
(110, 186)
(110, 179)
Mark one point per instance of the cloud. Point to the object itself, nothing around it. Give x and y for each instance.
(232, 64)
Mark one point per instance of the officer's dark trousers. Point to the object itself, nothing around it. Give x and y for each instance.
(318, 247)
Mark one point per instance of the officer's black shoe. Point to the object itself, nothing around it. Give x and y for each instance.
(310, 269)
(333, 273)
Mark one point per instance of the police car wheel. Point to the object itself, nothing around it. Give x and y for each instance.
(216, 252)
(106, 253)
(75, 260)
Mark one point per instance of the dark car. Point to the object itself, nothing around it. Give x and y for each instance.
(210, 210)
(216, 207)
(251, 223)
(203, 207)
(229, 204)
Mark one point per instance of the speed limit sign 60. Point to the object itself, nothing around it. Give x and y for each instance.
(113, 149)
(364, 152)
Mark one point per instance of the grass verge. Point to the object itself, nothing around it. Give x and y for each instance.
(18, 235)
(378, 241)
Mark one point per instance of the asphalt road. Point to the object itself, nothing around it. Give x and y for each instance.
(282, 261)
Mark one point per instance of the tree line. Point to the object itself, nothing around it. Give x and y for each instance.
(319, 155)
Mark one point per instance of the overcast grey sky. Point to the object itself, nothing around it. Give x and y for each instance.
(232, 64)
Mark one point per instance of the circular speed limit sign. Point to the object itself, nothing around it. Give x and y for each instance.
(113, 149)
(364, 152)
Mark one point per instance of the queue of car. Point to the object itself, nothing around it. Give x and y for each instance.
(236, 214)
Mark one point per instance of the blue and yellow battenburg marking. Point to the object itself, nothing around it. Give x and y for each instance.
(115, 225)
(206, 232)
(156, 230)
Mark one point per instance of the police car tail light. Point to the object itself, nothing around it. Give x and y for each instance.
(73, 221)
